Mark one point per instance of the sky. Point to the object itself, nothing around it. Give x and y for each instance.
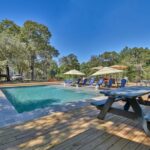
(85, 27)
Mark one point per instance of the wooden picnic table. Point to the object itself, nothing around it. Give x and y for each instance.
(130, 94)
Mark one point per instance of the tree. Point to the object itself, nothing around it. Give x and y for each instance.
(37, 36)
(8, 34)
(46, 61)
(9, 27)
(25, 47)
(137, 59)
(53, 69)
(94, 61)
(85, 67)
(134, 55)
(69, 62)
(13, 51)
(109, 58)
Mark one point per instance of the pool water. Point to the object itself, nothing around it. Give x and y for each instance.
(30, 98)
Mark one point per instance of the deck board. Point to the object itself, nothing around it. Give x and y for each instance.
(121, 143)
(94, 140)
(75, 130)
(78, 141)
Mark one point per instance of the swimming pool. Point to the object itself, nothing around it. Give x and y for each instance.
(30, 98)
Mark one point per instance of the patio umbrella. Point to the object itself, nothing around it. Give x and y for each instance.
(97, 68)
(106, 70)
(74, 72)
(120, 67)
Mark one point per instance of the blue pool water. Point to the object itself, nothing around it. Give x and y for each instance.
(31, 98)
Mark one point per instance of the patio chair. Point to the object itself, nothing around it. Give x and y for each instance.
(75, 82)
(123, 83)
(84, 82)
(68, 82)
(78, 81)
(91, 82)
(100, 82)
(110, 83)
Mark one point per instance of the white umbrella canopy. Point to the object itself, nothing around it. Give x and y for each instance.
(97, 68)
(119, 67)
(106, 70)
(74, 72)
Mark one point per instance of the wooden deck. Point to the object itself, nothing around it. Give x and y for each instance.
(75, 130)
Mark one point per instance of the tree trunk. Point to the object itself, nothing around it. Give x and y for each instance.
(8, 73)
(32, 67)
(19, 70)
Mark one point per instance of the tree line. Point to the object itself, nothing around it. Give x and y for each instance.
(137, 60)
(27, 51)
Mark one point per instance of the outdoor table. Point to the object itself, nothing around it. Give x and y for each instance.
(129, 94)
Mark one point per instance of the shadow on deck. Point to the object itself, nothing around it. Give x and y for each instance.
(76, 129)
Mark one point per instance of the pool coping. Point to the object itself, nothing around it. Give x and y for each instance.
(9, 116)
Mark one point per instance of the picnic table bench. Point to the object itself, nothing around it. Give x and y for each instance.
(133, 96)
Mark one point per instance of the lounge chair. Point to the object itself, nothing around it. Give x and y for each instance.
(91, 82)
(123, 83)
(78, 81)
(110, 83)
(100, 82)
(68, 82)
(84, 82)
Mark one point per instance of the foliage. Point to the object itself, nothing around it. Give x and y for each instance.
(109, 58)
(37, 36)
(137, 60)
(134, 55)
(12, 50)
(85, 67)
(25, 47)
(9, 27)
(69, 62)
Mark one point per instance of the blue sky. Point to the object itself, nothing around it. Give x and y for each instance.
(86, 27)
